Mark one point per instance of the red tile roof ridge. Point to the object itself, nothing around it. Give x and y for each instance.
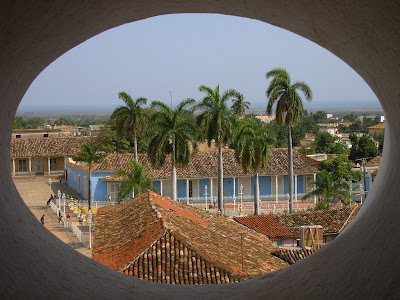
(169, 204)
(154, 208)
(351, 217)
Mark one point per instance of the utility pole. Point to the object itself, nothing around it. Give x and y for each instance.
(363, 162)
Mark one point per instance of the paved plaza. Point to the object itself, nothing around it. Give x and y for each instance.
(35, 191)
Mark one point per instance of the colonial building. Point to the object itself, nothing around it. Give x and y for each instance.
(376, 130)
(38, 133)
(199, 179)
(42, 156)
(285, 230)
(332, 128)
(160, 240)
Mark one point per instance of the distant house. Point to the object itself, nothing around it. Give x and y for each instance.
(376, 130)
(36, 133)
(42, 156)
(266, 119)
(372, 166)
(91, 130)
(201, 175)
(284, 229)
(160, 240)
(332, 128)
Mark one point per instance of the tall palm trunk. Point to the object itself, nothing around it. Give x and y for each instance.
(290, 160)
(220, 182)
(135, 155)
(256, 195)
(173, 181)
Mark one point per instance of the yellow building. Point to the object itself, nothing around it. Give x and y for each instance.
(376, 130)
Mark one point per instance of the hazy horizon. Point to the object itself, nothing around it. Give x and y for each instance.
(170, 56)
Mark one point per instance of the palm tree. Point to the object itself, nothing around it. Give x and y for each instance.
(130, 119)
(217, 121)
(89, 153)
(289, 109)
(174, 135)
(239, 106)
(252, 143)
(329, 190)
(136, 180)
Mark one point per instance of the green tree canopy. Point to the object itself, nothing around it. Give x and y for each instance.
(289, 109)
(172, 134)
(217, 122)
(130, 119)
(89, 153)
(252, 143)
(363, 147)
(239, 105)
(329, 144)
(136, 180)
(329, 190)
(110, 142)
(341, 169)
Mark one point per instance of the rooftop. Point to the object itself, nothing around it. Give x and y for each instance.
(375, 162)
(332, 220)
(46, 147)
(292, 256)
(204, 164)
(378, 126)
(142, 236)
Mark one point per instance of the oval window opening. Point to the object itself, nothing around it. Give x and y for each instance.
(202, 236)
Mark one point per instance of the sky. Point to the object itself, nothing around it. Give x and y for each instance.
(170, 56)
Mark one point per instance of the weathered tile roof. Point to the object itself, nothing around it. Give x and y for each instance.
(375, 162)
(46, 147)
(158, 239)
(204, 164)
(378, 126)
(292, 256)
(332, 220)
(264, 224)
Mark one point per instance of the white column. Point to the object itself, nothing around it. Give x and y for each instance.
(187, 191)
(48, 165)
(276, 188)
(13, 167)
(315, 197)
(234, 187)
(295, 187)
(30, 165)
(211, 191)
(161, 188)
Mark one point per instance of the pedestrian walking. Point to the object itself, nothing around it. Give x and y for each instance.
(59, 216)
(42, 220)
(80, 219)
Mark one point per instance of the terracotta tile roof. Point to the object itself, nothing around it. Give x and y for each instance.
(332, 220)
(264, 224)
(375, 162)
(378, 126)
(204, 164)
(158, 239)
(284, 225)
(46, 147)
(292, 256)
